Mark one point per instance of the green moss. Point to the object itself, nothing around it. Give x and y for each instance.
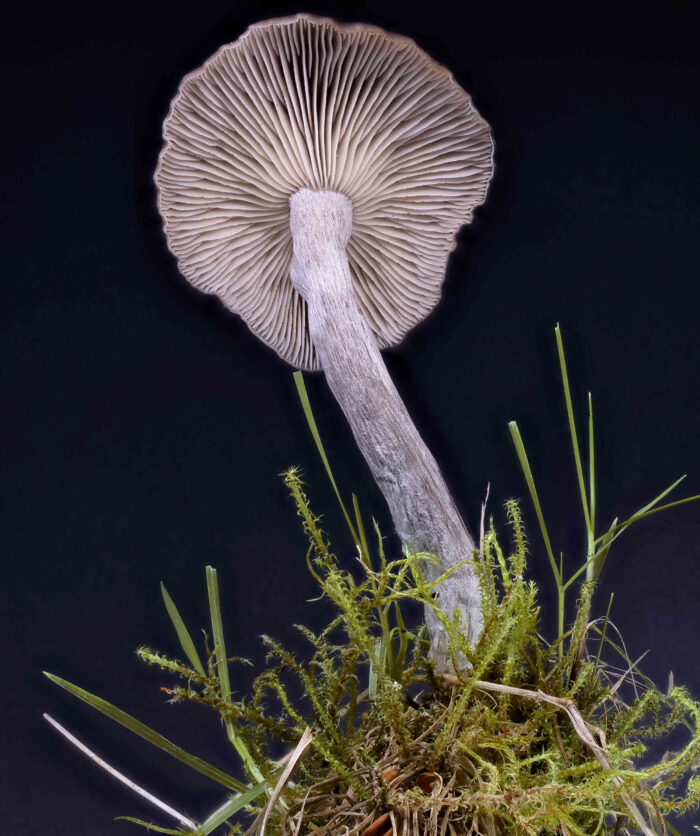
(506, 761)
(534, 737)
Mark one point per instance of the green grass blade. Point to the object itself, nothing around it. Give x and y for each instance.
(647, 507)
(602, 554)
(311, 421)
(221, 659)
(604, 630)
(400, 660)
(148, 734)
(364, 548)
(182, 632)
(525, 465)
(217, 630)
(232, 806)
(620, 527)
(572, 429)
(581, 569)
(591, 482)
(591, 461)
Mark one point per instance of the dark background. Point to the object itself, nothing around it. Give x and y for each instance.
(143, 429)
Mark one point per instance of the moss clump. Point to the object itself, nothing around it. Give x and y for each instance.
(534, 739)
(530, 738)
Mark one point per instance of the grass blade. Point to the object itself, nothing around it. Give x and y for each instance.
(604, 630)
(525, 465)
(620, 527)
(148, 734)
(638, 514)
(399, 662)
(311, 421)
(230, 807)
(558, 571)
(364, 548)
(584, 567)
(597, 559)
(572, 429)
(299, 752)
(182, 632)
(161, 805)
(602, 554)
(217, 629)
(591, 461)
(591, 485)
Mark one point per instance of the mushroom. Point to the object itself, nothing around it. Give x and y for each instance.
(313, 177)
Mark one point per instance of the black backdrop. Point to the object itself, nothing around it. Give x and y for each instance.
(143, 430)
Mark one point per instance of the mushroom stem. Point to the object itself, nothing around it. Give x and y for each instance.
(423, 511)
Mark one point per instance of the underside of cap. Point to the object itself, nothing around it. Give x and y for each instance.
(306, 102)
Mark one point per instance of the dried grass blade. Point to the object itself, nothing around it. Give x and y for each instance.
(624, 676)
(299, 751)
(161, 805)
(145, 732)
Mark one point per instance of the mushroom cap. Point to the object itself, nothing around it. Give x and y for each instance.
(306, 102)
